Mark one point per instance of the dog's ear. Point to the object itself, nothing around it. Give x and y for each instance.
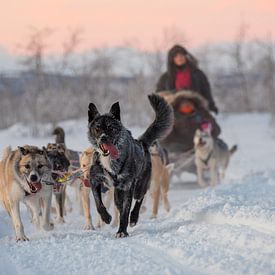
(45, 150)
(115, 111)
(92, 112)
(23, 151)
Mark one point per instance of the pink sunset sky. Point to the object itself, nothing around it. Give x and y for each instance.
(113, 22)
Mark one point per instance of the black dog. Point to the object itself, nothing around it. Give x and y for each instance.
(59, 161)
(124, 160)
(72, 155)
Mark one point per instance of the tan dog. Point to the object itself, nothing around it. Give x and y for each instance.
(85, 163)
(211, 154)
(86, 160)
(22, 172)
(160, 180)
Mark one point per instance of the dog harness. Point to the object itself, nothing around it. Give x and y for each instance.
(205, 161)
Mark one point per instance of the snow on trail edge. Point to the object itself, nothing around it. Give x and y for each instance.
(229, 229)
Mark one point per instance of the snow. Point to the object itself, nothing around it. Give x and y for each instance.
(229, 229)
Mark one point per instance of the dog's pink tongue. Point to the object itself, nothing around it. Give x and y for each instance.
(112, 149)
(36, 186)
(87, 183)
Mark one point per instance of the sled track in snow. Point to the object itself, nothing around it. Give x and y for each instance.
(216, 219)
(172, 264)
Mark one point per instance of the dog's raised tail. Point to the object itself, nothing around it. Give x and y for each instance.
(163, 122)
(233, 149)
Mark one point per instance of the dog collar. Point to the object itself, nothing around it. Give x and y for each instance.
(155, 154)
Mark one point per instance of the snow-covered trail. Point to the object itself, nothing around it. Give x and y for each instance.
(229, 229)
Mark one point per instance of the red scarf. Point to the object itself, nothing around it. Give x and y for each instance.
(183, 79)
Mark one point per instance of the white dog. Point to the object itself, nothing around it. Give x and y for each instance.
(211, 154)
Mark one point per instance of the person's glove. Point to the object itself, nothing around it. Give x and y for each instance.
(215, 110)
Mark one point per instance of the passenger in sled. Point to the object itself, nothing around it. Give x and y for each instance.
(187, 89)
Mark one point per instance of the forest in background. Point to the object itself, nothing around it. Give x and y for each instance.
(48, 89)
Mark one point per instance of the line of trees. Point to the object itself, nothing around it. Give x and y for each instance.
(61, 89)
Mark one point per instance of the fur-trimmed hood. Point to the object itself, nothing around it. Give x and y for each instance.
(174, 98)
(177, 49)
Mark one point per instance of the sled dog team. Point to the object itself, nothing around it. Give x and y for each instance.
(117, 168)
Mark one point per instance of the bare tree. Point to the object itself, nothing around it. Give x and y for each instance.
(69, 48)
(269, 72)
(34, 54)
(157, 60)
(35, 48)
(237, 55)
(100, 74)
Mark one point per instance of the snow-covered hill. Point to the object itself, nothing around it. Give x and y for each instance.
(229, 229)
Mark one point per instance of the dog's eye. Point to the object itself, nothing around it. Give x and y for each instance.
(83, 165)
(96, 130)
(27, 166)
(111, 128)
(40, 166)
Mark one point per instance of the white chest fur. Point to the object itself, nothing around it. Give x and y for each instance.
(106, 163)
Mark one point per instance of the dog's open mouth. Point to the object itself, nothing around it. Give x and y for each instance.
(104, 148)
(86, 182)
(34, 186)
(202, 142)
(109, 149)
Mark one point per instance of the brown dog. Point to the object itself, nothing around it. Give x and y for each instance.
(160, 180)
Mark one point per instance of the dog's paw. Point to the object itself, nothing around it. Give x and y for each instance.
(88, 226)
(60, 220)
(153, 216)
(105, 216)
(133, 219)
(121, 235)
(21, 238)
(48, 227)
(99, 223)
(132, 224)
(202, 184)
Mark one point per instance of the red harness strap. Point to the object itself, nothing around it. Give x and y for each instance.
(86, 182)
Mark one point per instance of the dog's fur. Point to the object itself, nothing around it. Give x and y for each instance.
(123, 159)
(56, 155)
(211, 154)
(72, 155)
(86, 161)
(74, 158)
(160, 180)
(22, 172)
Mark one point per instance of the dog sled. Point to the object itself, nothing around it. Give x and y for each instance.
(190, 112)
